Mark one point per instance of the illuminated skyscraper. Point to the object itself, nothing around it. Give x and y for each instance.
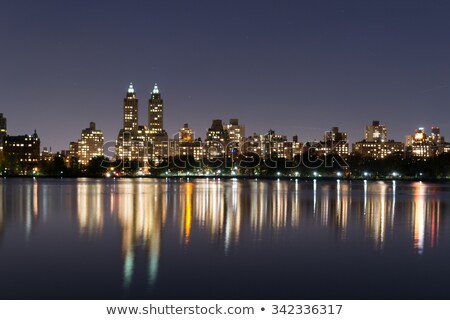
(156, 113)
(2, 126)
(2, 132)
(131, 140)
(159, 142)
(90, 145)
(130, 111)
(236, 135)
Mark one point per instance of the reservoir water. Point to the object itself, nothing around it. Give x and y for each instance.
(223, 239)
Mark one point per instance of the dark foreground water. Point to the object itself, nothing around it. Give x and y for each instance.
(223, 239)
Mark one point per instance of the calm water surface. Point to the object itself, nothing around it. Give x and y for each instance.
(223, 239)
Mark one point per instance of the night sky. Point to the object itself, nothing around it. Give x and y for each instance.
(298, 67)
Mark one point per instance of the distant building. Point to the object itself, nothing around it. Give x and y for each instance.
(436, 137)
(236, 136)
(376, 144)
(46, 154)
(216, 140)
(252, 145)
(185, 134)
(183, 149)
(130, 111)
(90, 144)
(421, 146)
(184, 144)
(71, 159)
(335, 142)
(2, 126)
(375, 132)
(2, 132)
(156, 113)
(272, 146)
(26, 148)
(378, 150)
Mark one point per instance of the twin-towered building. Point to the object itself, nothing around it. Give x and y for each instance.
(142, 142)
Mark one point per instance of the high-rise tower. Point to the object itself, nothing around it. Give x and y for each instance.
(155, 113)
(90, 145)
(130, 111)
(2, 132)
(2, 125)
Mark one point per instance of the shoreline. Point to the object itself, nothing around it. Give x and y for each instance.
(267, 178)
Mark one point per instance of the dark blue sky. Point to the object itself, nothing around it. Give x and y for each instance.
(298, 67)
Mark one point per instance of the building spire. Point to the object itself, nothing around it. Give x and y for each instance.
(130, 88)
(155, 88)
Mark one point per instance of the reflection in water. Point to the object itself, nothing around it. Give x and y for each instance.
(377, 201)
(90, 210)
(426, 220)
(188, 213)
(419, 216)
(141, 212)
(228, 212)
(2, 210)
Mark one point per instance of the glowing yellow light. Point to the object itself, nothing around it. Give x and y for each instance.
(188, 213)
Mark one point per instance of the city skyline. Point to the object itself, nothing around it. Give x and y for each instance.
(343, 68)
(132, 124)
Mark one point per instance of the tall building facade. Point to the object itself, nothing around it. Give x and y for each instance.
(2, 133)
(236, 136)
(90, 145)
(133, 140)
(156, 113)
(130, 111)
(2, 126)
(25, 149)
(158, 138)
(216, 140)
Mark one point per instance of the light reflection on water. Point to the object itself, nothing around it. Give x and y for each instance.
(227, 215)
